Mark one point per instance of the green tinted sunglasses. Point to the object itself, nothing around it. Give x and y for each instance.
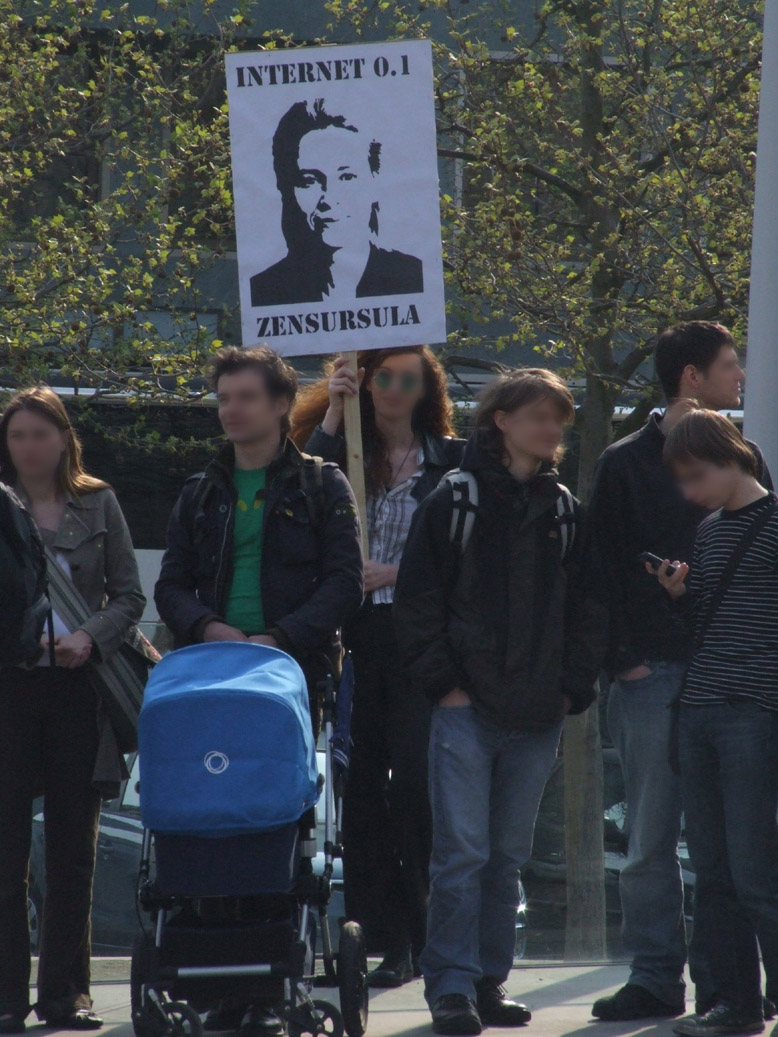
(408, 381)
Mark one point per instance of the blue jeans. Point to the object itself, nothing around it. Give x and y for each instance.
(653, 928)
(486, 783)
(729, 771)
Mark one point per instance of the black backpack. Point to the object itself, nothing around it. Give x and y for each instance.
(24, 603)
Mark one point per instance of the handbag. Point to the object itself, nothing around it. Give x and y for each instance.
(120, 680)
(727, 575)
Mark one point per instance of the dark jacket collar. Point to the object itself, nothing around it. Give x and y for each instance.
(288, 460)
(476, 459)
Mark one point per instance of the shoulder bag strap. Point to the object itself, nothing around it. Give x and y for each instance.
(725, 580)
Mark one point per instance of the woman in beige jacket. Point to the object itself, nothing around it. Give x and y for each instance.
(54, 737)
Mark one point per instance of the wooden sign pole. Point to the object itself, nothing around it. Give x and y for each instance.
(355, 462)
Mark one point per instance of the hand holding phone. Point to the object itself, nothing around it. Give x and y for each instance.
(671, 575)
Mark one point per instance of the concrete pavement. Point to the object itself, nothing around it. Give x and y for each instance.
(560, 997)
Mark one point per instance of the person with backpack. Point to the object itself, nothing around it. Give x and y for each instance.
(497, 631)
(635, 506)
(728, 719)
(55, 735)
(263, 546)
(409, 445)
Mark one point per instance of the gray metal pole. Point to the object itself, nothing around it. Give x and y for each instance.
(761, 414)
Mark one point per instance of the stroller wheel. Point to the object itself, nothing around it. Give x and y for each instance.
(182, 1019)
(316, 1019)
(352, 979)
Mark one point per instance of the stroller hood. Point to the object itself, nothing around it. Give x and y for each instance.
(225, 742)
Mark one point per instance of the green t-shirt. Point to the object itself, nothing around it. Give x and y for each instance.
(244, 604)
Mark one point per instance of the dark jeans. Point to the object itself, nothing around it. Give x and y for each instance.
(651, 885)
(48, 744)
(729, 771)
(386, 817)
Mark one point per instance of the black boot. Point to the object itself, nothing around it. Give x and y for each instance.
(496, 1008)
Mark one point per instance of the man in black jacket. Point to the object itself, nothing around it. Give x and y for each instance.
(494, 629)
(264, 546)
(637, 507)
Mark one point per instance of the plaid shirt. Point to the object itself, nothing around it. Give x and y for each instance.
(389, 517)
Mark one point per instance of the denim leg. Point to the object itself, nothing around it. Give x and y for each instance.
(460, 769)
(732, 948)
(519, 776)
(651, 885)
(746, 739)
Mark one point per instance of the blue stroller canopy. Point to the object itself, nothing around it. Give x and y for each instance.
(225, 742)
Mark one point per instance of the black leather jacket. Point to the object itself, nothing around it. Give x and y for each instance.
(311, 573)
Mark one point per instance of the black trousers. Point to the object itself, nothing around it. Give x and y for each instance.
(387, 828)
(48, 744)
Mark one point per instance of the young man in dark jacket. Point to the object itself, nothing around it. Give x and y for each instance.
(636, 507)
(493, 629)
(264, 546)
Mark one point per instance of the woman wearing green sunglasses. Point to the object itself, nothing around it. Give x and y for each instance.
(409, 446)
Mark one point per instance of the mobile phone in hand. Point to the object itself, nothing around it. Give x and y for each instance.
(655, 562)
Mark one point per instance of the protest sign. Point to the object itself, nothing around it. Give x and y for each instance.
(336, 197)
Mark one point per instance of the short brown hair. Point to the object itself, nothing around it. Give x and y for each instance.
(280, 377)
(516, 389)
(706, 435)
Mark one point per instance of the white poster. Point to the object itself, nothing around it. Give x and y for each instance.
(335, 180)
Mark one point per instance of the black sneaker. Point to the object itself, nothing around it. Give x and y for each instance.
(701, 1007)
(260, 1021)
(456, 1016)
(392, 972)
(496, 1008)
(634, 1002)
(721, 1020)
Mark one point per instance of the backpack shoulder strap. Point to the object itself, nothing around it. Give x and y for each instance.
(464, 487)
(312, 485)
(565, 511)
(733, 563)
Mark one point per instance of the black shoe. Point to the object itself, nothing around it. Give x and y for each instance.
(392, 972)
(768, 1006)
(720, 1020)
(496, 1008)
(456, 1016)
(221, 1018)
(79, 1019)
(634, 1002)
(12, 1024)
(259, 1021)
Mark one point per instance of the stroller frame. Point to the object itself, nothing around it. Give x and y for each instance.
(154, 1014)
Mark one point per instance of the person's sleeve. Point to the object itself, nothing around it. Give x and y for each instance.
(586, 626)
(424, 584)
(175, 593)
(607, 558)
(329, 448)
(763, 474)
(124, 600)
(341, 587)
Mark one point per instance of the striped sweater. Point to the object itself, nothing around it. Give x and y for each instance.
(738, 657)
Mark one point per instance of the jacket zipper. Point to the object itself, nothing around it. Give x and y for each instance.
(227, 532)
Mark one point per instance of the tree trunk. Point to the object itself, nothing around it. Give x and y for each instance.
(585, 934)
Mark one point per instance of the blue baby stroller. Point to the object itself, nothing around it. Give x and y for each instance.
(228, 787)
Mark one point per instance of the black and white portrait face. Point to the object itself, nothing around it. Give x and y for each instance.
(335, 188)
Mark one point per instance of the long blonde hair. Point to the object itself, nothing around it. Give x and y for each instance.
(71, 475)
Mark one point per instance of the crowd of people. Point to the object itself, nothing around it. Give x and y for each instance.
(485, 612)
